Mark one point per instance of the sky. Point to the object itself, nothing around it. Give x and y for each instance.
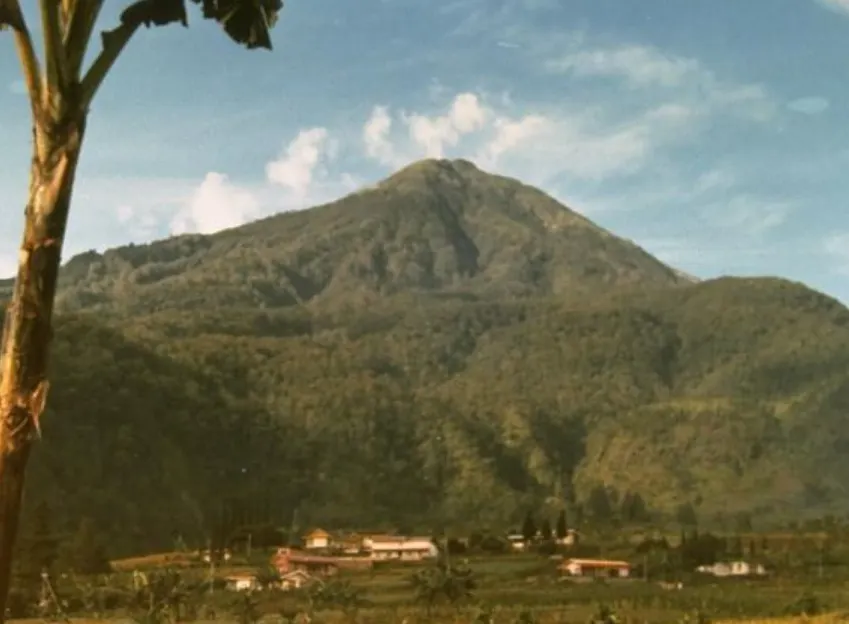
(715, 134)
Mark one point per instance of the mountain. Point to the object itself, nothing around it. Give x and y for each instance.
(448, 346)
(435, 226)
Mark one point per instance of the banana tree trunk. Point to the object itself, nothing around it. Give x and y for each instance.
(27, 328)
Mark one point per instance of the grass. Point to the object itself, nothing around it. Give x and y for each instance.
(512, 586)
(154, 561)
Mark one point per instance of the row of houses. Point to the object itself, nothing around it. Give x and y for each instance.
(376, 547)
(519, 543)
(298, 569)
(605, 568)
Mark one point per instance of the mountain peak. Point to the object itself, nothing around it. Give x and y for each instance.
(438, 227)
(434, 170)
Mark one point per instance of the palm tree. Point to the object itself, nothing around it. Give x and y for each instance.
(61, 91)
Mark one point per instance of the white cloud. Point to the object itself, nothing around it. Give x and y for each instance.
(216, 204)
(296, 167)
(647, 68)
(812, 105)
(534, 145)
(510, 133)
(836, 247)
(297, 179)
(747, 214)
(125, 213)
(376, 137)
(434, 134)
(640, 66)
(715, 180)
(840, 6)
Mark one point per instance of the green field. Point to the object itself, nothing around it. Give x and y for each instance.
(507, 589)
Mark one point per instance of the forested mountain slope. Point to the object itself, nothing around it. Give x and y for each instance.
(446, 347)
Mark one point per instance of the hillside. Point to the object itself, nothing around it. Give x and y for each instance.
(448, 346)
(436, 226)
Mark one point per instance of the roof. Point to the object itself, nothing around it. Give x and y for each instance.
(384, 538)
(317, 534)
(240, 577)
(299, 557)
(596, 563)
(376, 539)
(401, 546)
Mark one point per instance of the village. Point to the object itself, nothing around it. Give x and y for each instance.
(323, 555)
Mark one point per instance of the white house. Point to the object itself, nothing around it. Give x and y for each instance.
(517, 541)
(317, 540)
(570, 539)
(295, 580)
(242, 582)
(733, 568)
(393, 547)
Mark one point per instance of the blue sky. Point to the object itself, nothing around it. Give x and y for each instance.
(714, 134)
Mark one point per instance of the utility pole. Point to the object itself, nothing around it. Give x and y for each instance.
(248, 548)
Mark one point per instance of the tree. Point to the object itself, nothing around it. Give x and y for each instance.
(599, 504)
(633, 508)
(61, 91)
(561, 528)
(443, 582)
(545, 531)
(529, 528)
(686, 515)
(85, 554)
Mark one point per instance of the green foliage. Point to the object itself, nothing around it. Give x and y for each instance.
(245, 608)
(267, 577)
(337, 594)
(545, 531)
(561, 528)
(443, 583)
(807, 605)
(605, 615)
(529, 527)
(37, 549)
(85, 553)
(400, 358)
(247, 22)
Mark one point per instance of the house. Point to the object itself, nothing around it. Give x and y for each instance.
(733, 568)
(287, 560)
(224, 555)
(595, 568)
(570, 539)
(296, 579)
(348, 544)
(317, 540)
(399, 548)
(241, 582)
(517, 542)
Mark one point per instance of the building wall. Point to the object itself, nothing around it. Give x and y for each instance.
(317, 542)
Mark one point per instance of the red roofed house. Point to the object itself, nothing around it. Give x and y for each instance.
(287, 560)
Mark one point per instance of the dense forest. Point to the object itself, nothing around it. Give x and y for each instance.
(447, 348)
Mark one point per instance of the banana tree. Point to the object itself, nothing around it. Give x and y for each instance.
(61, 87)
